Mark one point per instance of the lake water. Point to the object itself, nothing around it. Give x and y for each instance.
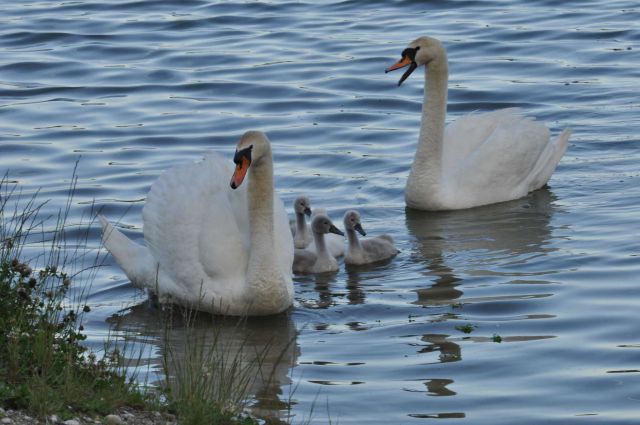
(134, 87)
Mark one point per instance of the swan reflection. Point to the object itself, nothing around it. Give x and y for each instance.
(493, 243)
(478, 242)
(271, 338)
(448, 350)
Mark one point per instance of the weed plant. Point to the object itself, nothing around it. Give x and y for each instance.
(208, 379)
(44, 368)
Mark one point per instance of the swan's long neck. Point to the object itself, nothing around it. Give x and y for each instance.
(426, 170)
(354, 242)
(260, 200)
(300, 221)
(267, 283)
(321, 247)
(301, 226)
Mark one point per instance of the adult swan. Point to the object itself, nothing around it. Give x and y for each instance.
(481, 158)
(210, 247)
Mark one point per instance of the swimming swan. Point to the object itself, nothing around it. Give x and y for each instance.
(302, 234)
(306, 261)
(368, 250)
(480, 158)
(210, 247)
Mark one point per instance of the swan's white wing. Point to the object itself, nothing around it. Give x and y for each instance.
(335, 245)
(196, 227)
(283, 239)
(493, 156)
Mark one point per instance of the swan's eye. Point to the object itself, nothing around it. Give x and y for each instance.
(243, 153)
(410, 52)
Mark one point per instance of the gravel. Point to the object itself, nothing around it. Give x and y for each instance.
(122, 417)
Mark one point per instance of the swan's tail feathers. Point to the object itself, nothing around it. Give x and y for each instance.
(561, 144)
(548, 161)
(559, 148)
(135, 260)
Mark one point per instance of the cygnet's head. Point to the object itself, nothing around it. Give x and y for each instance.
(322, 224)
(421, 51)
(352, 222)
(252, 147)
(302, 206)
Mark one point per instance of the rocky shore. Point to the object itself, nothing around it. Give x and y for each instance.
(122, 417)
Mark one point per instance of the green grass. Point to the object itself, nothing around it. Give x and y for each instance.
(467, 329)
(207, 378)
(44, 368)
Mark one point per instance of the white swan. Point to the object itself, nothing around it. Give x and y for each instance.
(302, 234)
(368, 250)
(321, 260)
(210, 247)
(480, 158)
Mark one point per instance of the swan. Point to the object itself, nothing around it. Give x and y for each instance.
(302, 234)
(480, 159)
(306, 261)
(225, 250)
(368, 250)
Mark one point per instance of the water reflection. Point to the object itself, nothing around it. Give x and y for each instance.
(443, 290)
(271, 338)
(477, 239)
(323, 284)
(448, 350)
(438, 387)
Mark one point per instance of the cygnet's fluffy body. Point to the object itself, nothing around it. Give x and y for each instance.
(367, 250)
(306, 261)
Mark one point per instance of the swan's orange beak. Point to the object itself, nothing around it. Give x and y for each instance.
(408, 59)
(242, 160)
(240, 172)
(405, 61)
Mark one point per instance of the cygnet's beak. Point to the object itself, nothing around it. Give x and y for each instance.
(360, 230)
(405, 61)
(307, 211)
(334, 229)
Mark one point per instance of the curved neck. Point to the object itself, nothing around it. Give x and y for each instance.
(301, 224)
(260, 203)
(427, 163)
(321, 247)
(354, 242)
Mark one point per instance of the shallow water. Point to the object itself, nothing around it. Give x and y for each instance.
(132, 88)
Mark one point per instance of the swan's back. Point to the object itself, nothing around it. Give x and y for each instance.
(497, 156)
(379, 248)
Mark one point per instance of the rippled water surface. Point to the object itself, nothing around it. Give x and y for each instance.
(134, 87)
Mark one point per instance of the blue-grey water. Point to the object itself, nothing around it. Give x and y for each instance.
(134, 87)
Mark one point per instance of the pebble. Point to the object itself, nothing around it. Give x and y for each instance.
(122, 417)
(112, 420)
